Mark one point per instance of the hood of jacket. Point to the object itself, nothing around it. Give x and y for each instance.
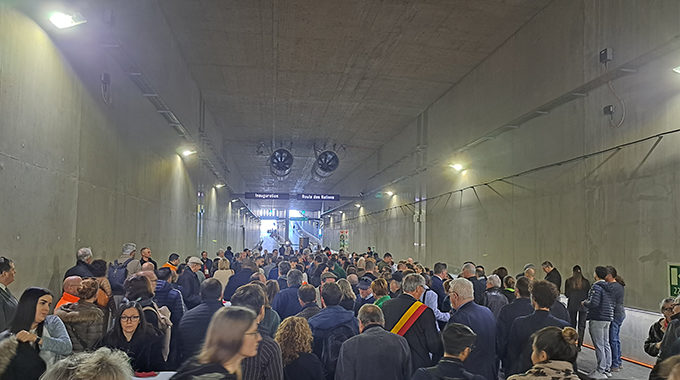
(606, 286)
(79, 312)
(330, 317)
(163, 286)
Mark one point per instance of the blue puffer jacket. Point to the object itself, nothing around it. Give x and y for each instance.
(331, 317)
(617, 293)
(168, 296)
(600, 303)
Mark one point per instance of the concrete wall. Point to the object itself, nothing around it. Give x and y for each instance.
(76, 172)
(622, 210)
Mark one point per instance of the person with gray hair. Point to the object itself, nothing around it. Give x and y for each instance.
(82, 267)
(482, 360)
(672, 333)
(294, 278)
(410, 318)
(103, 364)
(469, 272)
(658, 329)
(123, 267)
(283, 268)
(493, 298)
(359, 359)
(286, 302)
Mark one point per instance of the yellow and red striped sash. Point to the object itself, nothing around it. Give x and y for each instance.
(409, 318)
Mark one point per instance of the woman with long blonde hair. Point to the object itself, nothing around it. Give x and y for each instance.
(299, 363)
(231, 337)
(348, 296)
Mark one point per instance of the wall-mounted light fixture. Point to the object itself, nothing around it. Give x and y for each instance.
(66, 20)
(456, 167)
(357, 205)
(219, 185)
(676, 70)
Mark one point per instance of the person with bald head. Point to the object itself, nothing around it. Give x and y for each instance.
(530, 273)
(70, 294)
(148, 267)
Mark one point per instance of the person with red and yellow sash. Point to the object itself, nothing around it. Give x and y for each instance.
(410, 318)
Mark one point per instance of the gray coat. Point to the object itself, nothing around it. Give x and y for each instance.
(359, 358)
(8, 307)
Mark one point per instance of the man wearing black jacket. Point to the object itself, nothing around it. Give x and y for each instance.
(552, 274)
(469, 272)
(194, 324)
(190, 284)
(543, 296)
(458, 342)
(520, 307)
(422, 336)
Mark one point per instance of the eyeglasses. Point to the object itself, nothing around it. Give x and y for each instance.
(254, 333)
(133, 318)
(667, 308)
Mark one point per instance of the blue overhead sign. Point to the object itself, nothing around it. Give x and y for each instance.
(318, 197)
(267, 196)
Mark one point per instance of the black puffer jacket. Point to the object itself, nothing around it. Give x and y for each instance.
(84, 322)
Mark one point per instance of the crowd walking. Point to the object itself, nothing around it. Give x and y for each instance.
(298, 315)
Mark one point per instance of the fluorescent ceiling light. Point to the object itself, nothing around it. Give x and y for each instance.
(188, 153)
(234, 200)
(357, 205)
(389, 193)
(457, 167)
(219, 185)
(63, 20)
(677, 69)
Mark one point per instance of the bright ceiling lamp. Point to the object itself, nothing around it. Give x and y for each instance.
(64, 20)
(219, 185)
(389, 193)
(357, 205)
(456, 167)
(187, 153)
(676, 70)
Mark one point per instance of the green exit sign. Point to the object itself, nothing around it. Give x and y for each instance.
(674, 279)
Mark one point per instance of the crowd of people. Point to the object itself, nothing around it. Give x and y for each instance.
(298, 315)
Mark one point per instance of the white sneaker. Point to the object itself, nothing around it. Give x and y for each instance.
(597, 375)
(608, 374)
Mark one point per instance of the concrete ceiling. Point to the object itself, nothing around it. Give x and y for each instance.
(351, 73)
